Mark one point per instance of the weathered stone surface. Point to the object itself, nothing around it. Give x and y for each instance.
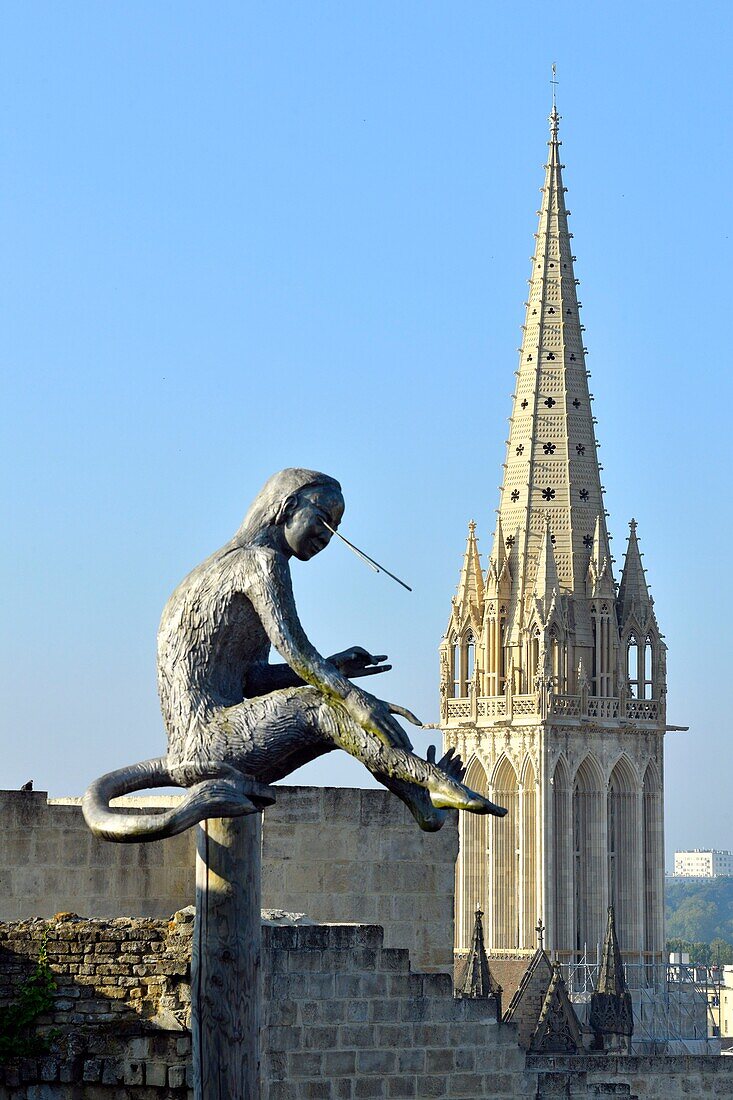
(405, 1038)
(328, 867)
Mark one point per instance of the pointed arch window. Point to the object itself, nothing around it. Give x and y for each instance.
(470, 662)
(534, 658)
(633, 665)
(640, 667)
(455, 651)
(604, 651)
(648, 669)
(556, 659)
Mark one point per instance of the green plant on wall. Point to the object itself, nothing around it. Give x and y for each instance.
(18, 1035)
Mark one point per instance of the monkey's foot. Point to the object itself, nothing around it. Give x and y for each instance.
(456, 796)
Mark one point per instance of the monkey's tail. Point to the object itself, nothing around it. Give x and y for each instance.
(214, 790)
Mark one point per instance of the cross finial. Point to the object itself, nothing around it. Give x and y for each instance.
(554, 116)
(472, 526)
(540, 930)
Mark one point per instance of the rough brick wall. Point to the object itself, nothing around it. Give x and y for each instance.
(106, 972)
(334, 854)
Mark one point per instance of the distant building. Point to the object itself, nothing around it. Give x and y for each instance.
(726, 1008)
(703, 863)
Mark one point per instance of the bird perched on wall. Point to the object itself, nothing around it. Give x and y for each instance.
(27, 786)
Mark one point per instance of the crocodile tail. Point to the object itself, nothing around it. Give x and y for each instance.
(214, 790)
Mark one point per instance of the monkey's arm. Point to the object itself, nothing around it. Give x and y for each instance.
(352, 663)
(266, 582)
(262, 679)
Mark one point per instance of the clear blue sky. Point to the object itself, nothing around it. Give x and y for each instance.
(240, 236)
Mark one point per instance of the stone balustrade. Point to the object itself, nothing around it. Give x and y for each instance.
(538, 705)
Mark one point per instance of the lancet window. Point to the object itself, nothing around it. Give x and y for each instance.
(471, 883)
(640, 667)
(653, 862)
(561, 931)
(557, 661)
(495, 674)
(470, 662)
(504, 843)
(534, 659)
(463, 663)
(623, 829)
(648, 669)
(455, 650)
(528, 857)
(588, 846)
(603, 650)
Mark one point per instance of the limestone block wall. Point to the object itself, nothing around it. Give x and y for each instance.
(343, 1016)
(648, 1077)
(334, 854)
(347, 1017)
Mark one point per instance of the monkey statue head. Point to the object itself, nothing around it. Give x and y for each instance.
(293, 513)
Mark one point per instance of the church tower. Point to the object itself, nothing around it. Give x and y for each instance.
(553, 681)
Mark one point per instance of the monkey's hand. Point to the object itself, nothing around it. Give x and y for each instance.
(356, 662)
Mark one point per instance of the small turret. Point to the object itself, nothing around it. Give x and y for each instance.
(600, 583)
(470, 594)
(546, 585)
(477, 980)
(644, 673)
(611, 1013)
(633, 593)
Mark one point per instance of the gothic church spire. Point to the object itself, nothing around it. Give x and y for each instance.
(551, 469)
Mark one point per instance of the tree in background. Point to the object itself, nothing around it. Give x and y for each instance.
(716, 953)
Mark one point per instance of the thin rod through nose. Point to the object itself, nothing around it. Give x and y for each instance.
(365, 557)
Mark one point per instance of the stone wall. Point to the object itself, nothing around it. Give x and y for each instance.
(106, 972)
(347, 1017)
(647, 1077)
(343, 1017)
(334, 854)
